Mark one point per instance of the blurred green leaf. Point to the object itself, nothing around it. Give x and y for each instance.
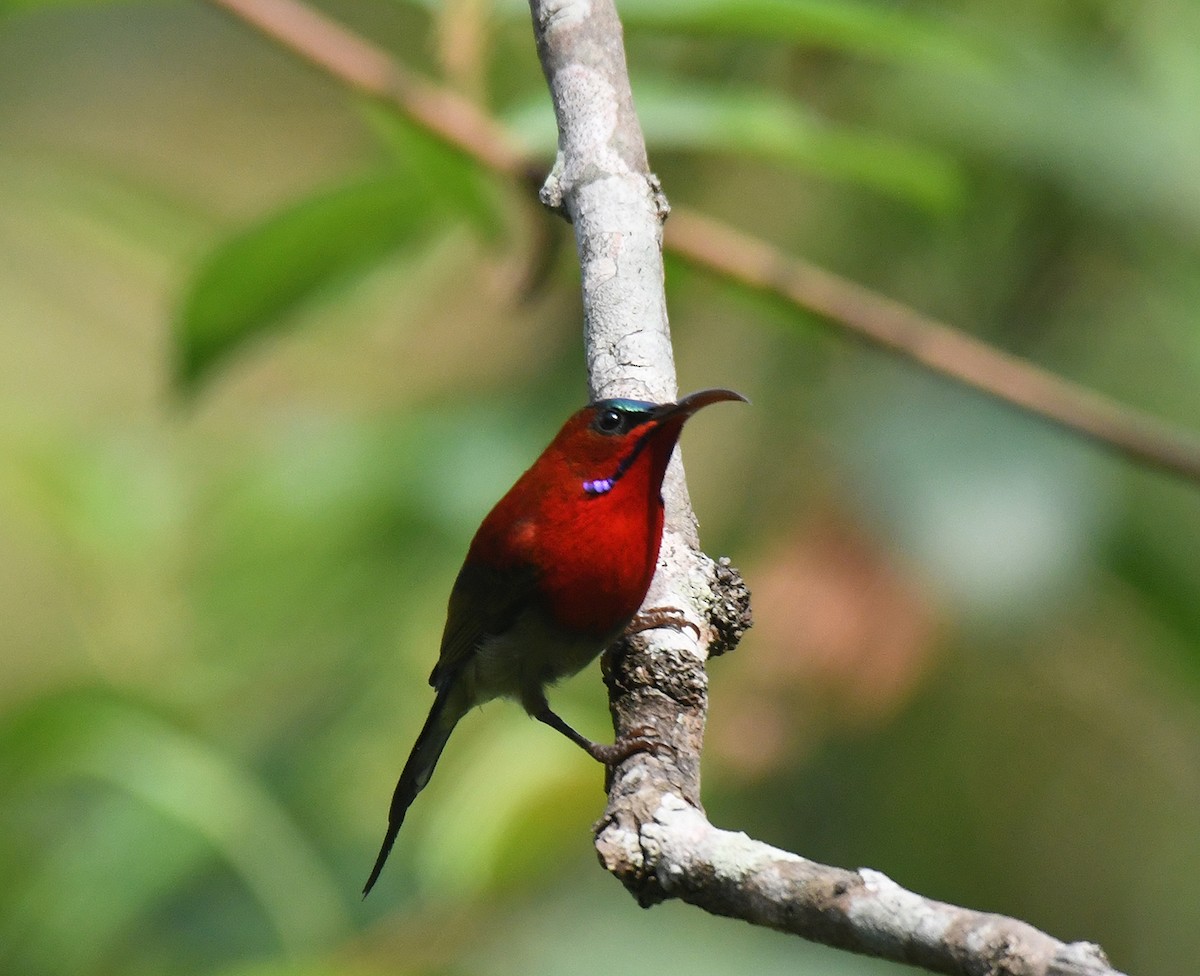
(763, 125)
(339, 966)
(875, 29)
(1000, 510)
(51, 921)
(512, 766)
(1086, 123)
(450, 177)
(23, 6)
(254, 281)
(93, 737)
(879, 30)
(248, 287)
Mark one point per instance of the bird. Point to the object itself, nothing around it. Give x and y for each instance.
(555, 573)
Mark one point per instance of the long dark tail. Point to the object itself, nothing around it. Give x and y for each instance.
(417, 770)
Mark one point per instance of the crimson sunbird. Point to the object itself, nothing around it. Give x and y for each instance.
(554, 575)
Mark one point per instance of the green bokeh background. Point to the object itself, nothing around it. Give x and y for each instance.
(247, 427)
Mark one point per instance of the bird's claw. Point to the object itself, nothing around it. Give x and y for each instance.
(657, 617)
(642, 738)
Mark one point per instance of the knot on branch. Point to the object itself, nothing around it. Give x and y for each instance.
(662, 206)
(729, 615)
(550, 195)
(633, 849)
(658, 688)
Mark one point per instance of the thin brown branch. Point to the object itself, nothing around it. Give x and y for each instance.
(723, 250)
(369, 69)
(717, 247)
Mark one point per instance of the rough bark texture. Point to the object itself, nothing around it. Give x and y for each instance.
(602, 184)
(654, 835)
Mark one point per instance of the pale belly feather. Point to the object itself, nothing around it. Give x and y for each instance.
(529, 656)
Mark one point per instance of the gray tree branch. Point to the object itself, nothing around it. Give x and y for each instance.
(654, 835)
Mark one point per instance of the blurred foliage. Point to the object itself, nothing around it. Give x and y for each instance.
(252, 282)
(977, 659)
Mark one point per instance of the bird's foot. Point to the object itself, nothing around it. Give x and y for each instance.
(639, 739)
(656, 617)
(643, 738)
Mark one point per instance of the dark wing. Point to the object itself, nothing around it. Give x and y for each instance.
(484, 602)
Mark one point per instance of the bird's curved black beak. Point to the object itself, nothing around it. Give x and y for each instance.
(688, 405)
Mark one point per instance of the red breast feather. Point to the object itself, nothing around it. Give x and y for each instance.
(595, 553)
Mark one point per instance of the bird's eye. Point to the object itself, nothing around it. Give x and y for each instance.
(609, 421)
